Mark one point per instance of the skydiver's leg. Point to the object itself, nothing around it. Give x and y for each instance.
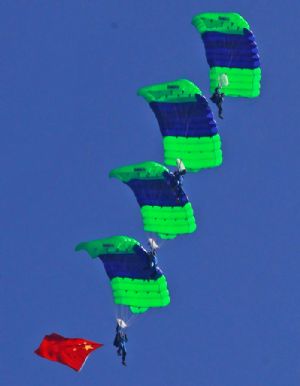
(119, 350)
(124, 356)
(220, 110)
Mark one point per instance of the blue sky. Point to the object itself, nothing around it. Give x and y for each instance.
(69, 113)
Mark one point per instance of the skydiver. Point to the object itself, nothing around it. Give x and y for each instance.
(119, 342)
(152, 253)
(218, 99)
(177, 178)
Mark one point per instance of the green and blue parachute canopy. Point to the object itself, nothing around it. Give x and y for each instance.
(186, 123)
(135, 282)
(165, 208)
(231, 53)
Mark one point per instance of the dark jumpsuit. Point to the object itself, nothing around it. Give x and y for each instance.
(176, 181)
(119, 342)
(218, 99)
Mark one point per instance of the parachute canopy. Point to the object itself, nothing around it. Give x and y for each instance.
(165, 208)
(231, 50)
(186, 123)
(135, 281)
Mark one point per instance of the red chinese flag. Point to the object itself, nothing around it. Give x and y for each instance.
(72, 352)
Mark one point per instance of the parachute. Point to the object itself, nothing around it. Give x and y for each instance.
(231, 53)
(165, 208)
(135, 283)
(186, 123)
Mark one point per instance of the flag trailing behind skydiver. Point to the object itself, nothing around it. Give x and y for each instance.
(186, 123)
(231, 53)
(72, 352)
(165, 207)
(136, 280)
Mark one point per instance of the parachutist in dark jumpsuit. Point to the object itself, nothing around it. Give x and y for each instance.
(178, 174)
(218, 99)
(177, 181)
(119, 342)
(153, 258)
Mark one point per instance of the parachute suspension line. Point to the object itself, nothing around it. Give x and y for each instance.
(131, 319)
(228, 65)
(161, 243)
(124, 313)
(152, 234)
(121, 312)
(117, 311)
(187, 126)
(127, 314)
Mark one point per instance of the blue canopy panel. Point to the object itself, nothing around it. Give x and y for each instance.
(187, 119)
(231, 50)
(136, 265)
(159, 192)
